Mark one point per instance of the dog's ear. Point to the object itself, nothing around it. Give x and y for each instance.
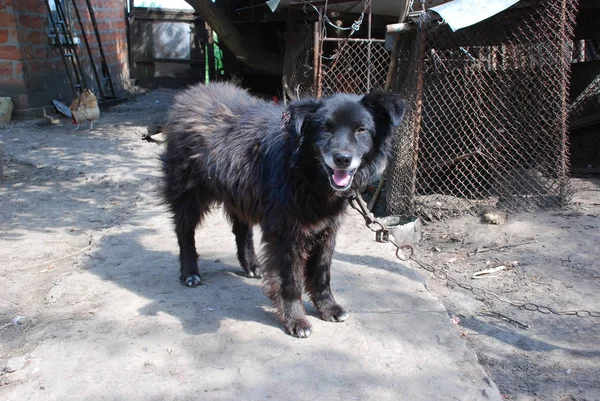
(387, 105)
(294, 118)
(297, 114)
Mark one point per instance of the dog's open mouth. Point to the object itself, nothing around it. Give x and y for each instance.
(340, 180)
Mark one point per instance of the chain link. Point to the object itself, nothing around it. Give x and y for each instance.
(403, 249)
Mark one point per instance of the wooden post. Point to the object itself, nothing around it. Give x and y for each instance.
(369, 64)
(317, 66)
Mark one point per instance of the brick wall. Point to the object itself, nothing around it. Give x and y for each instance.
(32, 71)
(12, 81)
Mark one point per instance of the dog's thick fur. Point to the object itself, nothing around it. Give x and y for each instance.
(291, 171)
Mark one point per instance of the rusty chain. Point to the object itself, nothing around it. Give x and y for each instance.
(382, 235)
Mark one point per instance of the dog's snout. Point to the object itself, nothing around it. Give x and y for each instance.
(342, 160)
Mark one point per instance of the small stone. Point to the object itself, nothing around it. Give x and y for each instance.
(494, 216)
(15, 364)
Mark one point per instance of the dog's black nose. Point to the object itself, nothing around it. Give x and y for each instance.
(342, 160)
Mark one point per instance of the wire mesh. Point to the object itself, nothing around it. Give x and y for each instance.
(353, 66)
(487, 114)
(298, 65)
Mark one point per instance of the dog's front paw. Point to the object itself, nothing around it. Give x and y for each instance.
(191, 281)
(257, 272)
(333, 313)
(299, 328)
(254, 272)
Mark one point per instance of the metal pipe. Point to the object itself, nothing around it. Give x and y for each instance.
(316, 58)
(369, 64)
(353, 40)
(105, 69)
(418, 116)
(89, 50)
(62, 54)
(319, 50)
(128, 10)
(79, 75)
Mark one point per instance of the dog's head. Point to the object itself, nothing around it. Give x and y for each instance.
(346, 133)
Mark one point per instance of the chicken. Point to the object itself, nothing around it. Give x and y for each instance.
(85, 108)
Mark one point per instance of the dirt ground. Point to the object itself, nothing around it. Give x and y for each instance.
(78, 229)
(556, 357)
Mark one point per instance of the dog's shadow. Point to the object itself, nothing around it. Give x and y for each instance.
(146, 263)
(225, 295)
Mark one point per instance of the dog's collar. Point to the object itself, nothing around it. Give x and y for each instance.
(285, 118)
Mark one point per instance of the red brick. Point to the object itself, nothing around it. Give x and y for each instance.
(10, 53)
(41, 67)
(107, 37)
(24, 36)
(7, 19)
(13, 35)
(3, 35)
(110, 36)
(13, 85)
(38, 38)
(110, 15)
(19, 69)
(38, 22)
(38, 7)
(83, 5)
(27, 51)
(6, 69)
(101, 15)
(24, 21)
(21, 101)
(109, 48)
(105, 26)
(41, 52)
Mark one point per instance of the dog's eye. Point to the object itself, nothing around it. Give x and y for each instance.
(328, 126)
(361, 130)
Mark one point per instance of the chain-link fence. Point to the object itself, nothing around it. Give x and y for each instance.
(353, 66)
(298, 62)
(488, 106)
(487, 118)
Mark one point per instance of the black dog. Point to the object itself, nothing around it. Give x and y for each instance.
(291, 171)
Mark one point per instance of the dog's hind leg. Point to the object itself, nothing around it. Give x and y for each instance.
(188, 212)
(245, 247)
(317, 278)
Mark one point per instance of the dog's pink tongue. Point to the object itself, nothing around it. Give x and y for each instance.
(341, 177)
